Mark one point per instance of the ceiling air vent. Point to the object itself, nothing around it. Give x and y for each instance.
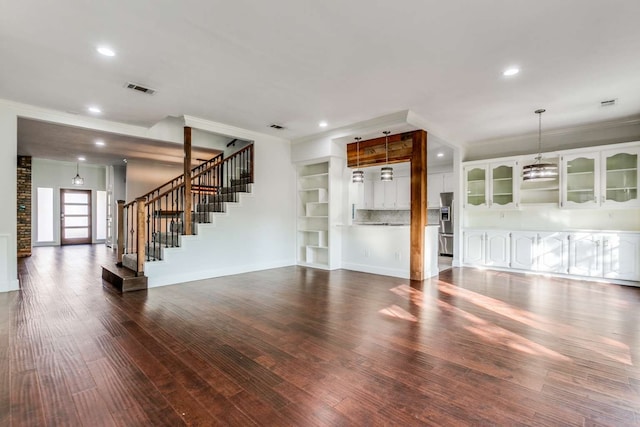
(275, 126)
(608, 103)
(140, 88)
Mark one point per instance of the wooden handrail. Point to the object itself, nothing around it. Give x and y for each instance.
(180, 176)
(159, 196)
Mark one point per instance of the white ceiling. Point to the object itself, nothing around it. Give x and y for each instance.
(66, 143)
(295, 62)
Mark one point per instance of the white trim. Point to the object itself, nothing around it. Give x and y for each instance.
(190, 276)
(228, 130)
(393, 272)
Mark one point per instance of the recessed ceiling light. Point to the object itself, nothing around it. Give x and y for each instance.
(100, 143)
(440, 154)
(106, 51)
(94, 110)
(511, 71)
(81, 158)
(323, 124)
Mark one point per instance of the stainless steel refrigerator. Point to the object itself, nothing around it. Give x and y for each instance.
(445, 232)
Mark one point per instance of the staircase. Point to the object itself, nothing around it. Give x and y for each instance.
(158, 220)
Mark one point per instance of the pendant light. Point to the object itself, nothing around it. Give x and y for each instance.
(386, 173)
(77, 180)
(358, 175)
(539, 171)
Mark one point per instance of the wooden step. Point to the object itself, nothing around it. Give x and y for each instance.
(123, 279)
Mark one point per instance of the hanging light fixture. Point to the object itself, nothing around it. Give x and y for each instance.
(539, 171)
(77, 180)
(386, 173)
(358, 175)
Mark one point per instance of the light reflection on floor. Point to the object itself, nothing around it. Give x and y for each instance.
(495, 334)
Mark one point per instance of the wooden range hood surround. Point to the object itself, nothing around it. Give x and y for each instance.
(403, 147)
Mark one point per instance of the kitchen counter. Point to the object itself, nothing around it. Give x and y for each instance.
(385, 249)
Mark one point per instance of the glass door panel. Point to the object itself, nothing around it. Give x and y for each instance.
(477, 186)
(581, 180)
(75, 217)
(502, 185)
(621, 177)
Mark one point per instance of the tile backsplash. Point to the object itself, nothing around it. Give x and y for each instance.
(392, 216)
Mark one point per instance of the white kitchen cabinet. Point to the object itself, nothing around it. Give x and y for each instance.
(448, 184)
(497, 248)
(581, 180)
(474, 248)
(434, 188)
(491, 185)
(621, 256)
(524, 250)
(403, 192)
(552, 252)
(585, 254)
(394, 194)
(362, 194)
(384, 194)
(502, 185)
(620, 178)
(475, 186)
(438, 183)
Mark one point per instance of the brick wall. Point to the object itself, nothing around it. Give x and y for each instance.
(24, 206)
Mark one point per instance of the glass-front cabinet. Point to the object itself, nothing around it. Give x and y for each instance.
(502, 190)
(620, 177)
(476, 186)
(581, 180)
(490, 185)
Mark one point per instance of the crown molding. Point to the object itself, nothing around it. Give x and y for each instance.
(585, 128)
(228, 130)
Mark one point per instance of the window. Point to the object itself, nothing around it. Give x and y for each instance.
(101, 215)
(45, 214)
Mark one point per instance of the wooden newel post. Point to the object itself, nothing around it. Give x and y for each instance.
(121, 231)
(141, 234)
(187, 181)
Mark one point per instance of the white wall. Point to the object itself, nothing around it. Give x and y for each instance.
(8, 195)
(143, 176)
(256, 234)
(556, 139)
(554, 219)
(57, 175)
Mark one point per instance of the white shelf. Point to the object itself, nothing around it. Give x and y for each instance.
(622, 170)
(313, 215)
(586, 190)
(503, 194)
(503, 179)
(313, 176)
(622, 188)
(581, 173)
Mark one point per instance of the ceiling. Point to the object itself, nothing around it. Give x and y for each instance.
(295, 63)
(66, 143)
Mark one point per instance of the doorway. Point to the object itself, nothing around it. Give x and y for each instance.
(75, 217)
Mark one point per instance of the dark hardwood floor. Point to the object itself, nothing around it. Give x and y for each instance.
(297, 346)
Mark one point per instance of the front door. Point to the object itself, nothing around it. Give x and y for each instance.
(75, 217)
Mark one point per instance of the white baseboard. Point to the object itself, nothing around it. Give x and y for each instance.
(11, 285)
(164, 279)
(393, 272)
